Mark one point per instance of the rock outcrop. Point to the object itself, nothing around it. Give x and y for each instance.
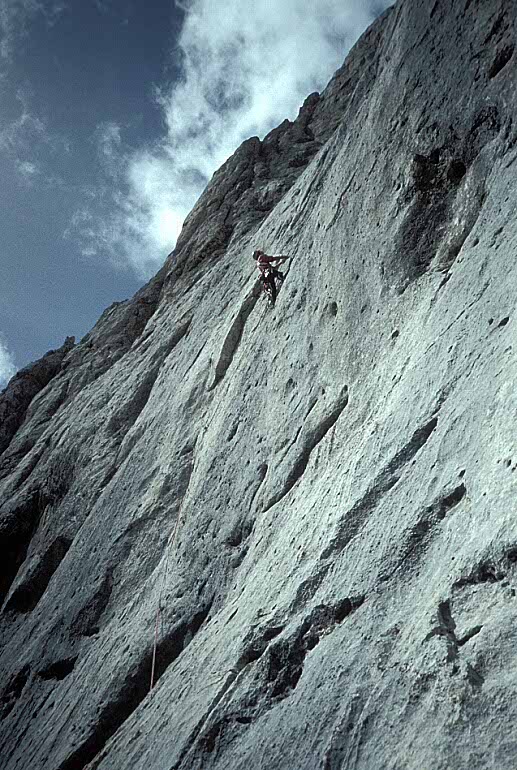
(318, 499)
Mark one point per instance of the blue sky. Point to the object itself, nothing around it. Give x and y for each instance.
(113, 115)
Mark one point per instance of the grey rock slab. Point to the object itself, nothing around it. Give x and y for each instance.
(319, 498)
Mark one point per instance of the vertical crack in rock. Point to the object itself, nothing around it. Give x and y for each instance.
(503, 57)
(309, 443)
(451, 500)
(280, 666)
(15, 538)
(384, 482)
(132, 691)
(125, 417)
(26, 596)
(469, 635)
(21, 523)
(441, 203)
(87, 620)
(286, 657)
(232, 340)
(419, 537)
(446, 628)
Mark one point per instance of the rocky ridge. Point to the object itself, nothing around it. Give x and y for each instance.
(338, 474)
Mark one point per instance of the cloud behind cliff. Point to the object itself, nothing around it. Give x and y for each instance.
(7, 367)
(244, 67)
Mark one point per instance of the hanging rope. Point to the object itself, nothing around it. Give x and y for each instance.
(168, 547)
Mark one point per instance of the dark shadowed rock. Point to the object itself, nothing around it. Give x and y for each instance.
(319, 498)
(24, 386)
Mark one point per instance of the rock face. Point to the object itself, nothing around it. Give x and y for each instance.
(320, 498)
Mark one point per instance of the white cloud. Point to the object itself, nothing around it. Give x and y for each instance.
(15, 16)
(24, 131)
(28, 169)
(245, 66)
(23, 140)
(7, 367)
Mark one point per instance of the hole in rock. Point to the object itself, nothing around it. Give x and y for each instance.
(501, 60)
(60, 669)
(456, 171)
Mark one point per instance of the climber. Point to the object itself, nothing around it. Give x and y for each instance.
(267, 267)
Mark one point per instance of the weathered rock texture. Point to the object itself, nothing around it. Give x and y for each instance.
(340, 472)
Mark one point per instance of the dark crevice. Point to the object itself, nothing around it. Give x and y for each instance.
(87, 620)
(241, 532)
(16, 537)
(132, 691)
(418, 538)
(475, 678)
(429, 201)
(27, 595)
(232, 340)
(384, 482)
(502, 58)
(490, 571)
(309, 443)
(244, 720)
(59, 670)
(446, 628)
(307, 589)
(485, 573)
(123, 419)
(286, 658)
(257, 645)
(281, 668)
(126, 416)
(451, 501)
(496, 28)
(13, 691)
(16, 398)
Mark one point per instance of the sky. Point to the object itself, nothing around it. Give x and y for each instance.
(114, 114)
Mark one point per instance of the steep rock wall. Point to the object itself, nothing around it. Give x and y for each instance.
(339, 474)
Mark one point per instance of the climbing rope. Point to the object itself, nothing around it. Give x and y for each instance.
(168, 547)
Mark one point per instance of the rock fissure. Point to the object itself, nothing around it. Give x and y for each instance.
(354, 519)
(280, 668)
(130, 693)
(310, 440)
(232, 340)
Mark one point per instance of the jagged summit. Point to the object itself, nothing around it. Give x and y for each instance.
(318, 498)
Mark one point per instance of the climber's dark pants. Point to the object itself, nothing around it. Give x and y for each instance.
(270, 279)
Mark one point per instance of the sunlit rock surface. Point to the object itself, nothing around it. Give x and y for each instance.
(320, 497)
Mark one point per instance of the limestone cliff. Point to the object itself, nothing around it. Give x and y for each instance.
(338, 474)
